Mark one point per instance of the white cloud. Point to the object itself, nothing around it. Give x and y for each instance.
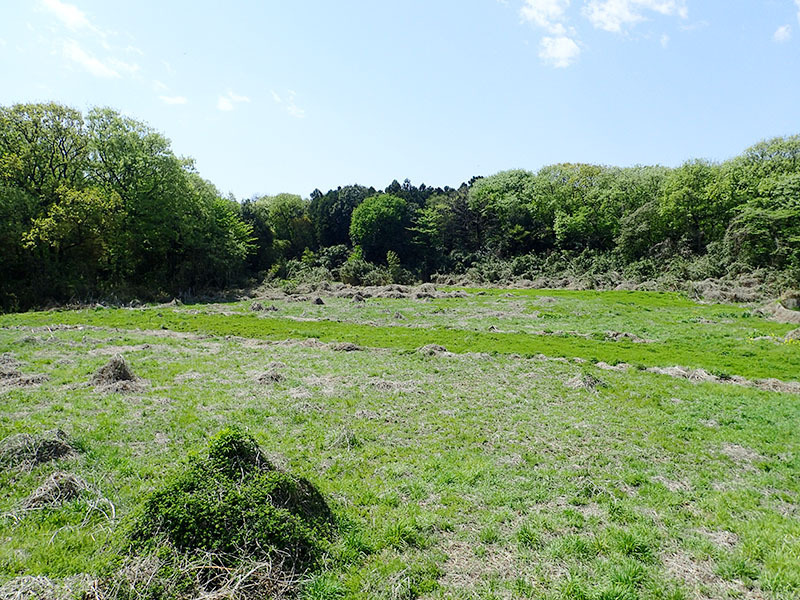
(69, 14)
(797, 2)
(559, 52)
(616, 15)
(173, 99)
(295, 111)
(288, 101)
(122, 66)
(224, 103)
(159, 86)
(782, 34)
(664, 40)
(547, 14)
(228, 101)
(236, 98)
(71, 50)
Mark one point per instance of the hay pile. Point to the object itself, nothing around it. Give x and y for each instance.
(586, 381)
(24, 450)
(44, 588)
(57, 489)
(790, 300)
(272, 375)
(624, 336)
(116, 377)
(433, 350)
(346, 347)
(11, 377)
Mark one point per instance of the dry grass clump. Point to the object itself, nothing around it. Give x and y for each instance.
(624, 336)
(57, 489)
(44, 588)
(778, 312)
(183, 577)
(586, 381)
(116, 376)
(432, 350)
(11, 377)
(272, 375)
(791, 300)
(346, 347)
(26, 450)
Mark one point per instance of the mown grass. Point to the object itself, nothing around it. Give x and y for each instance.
(723, 339)
(462, 476)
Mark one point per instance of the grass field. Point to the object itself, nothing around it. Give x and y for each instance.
(518, 464)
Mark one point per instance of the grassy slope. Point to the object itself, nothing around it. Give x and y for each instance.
(460, 476)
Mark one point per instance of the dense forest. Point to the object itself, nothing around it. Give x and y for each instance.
(98, 206)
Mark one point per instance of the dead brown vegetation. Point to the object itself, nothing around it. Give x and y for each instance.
(24, 450)
(116, 376)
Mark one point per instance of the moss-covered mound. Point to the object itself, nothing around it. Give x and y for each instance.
(234, 508)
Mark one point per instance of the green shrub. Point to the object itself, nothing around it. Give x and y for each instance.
(228, 509)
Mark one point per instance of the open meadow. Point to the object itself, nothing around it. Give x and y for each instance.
(470, 443)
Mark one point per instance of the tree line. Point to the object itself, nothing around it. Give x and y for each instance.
(98, 205)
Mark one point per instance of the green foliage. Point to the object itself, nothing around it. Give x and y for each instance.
(103, 205)
(330, 213)
(380, 224)
(99, 204)
(235, 504)
(288, 219)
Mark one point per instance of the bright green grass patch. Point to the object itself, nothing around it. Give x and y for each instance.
(722, 353)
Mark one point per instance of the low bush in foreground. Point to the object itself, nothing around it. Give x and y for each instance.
(231, 523)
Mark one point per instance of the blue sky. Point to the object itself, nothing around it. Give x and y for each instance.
(285, 96)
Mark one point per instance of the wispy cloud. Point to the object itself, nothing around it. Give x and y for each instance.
(69, 14)
(782, 34)
(797, 3)
(618, 15)
(159, 86)
(173, 99)
(124, 67)
(228, 101)
(72, 50)
(559, 52)
(289, 103)
(664, 40)
(547, 14)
